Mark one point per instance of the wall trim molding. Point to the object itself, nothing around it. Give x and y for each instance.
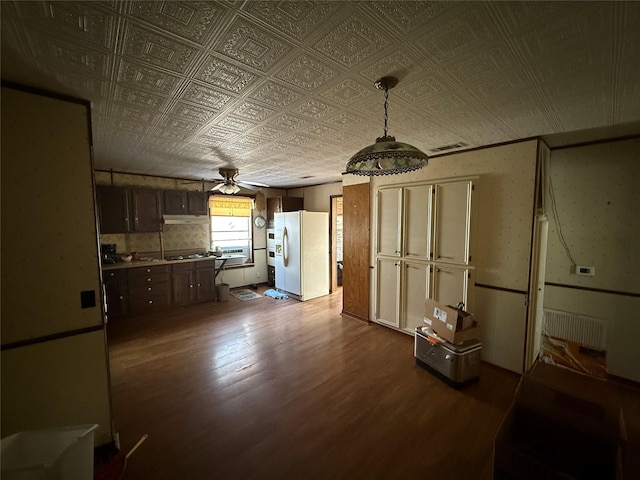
(502, 289)
(49, 338)
(591, 289)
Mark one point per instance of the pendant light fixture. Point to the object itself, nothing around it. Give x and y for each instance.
(386, 156)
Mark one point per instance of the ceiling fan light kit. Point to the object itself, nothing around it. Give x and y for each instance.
(230, 186)
(386, 156)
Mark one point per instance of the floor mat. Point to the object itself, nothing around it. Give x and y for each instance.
(275, 294)
(244, 294)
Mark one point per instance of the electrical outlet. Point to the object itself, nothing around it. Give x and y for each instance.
(257, 274)
(585, 270)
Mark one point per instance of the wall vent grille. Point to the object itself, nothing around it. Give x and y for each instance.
(585, 330)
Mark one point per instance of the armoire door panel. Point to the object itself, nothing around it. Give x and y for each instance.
(388, 298)
(452, 222)
(416, 281)
(450, 285)
(389, 222)
(417, 221)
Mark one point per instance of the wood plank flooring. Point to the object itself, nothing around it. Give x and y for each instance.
(281, 389)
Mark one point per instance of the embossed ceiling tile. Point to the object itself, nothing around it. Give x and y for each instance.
(134, 114)
(495, 62)
(135, 75)
(319, 130)
(192, 112)
(268, 132)
(235, 124)
(298, 19)
(296, 139)
(62, 54)
(288, 122)
(564, 34)
(250, 141)
(397, 63)
(144, 45)
(130, 96)
(456, 34)
(422, 89)
(313, 109)
(343, 120)
(251, 45)
(408, 16)
(522, 16)
(205, 96)
(351, 42)
(191, 20)
(94, 89)
(180, 125)
(306, 72)
(225, 75)
(252, 111)
(275, 95)
(82, 20)
(347, 92)
(171, 134)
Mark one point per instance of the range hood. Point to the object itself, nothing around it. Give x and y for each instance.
(185, 219)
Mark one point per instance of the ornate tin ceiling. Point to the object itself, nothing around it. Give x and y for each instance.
(284, 90)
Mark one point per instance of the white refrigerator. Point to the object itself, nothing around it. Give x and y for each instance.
(302, 253)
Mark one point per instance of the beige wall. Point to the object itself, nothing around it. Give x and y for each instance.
(318, 197)
(54, 366)
(598, 209)
(503, 208)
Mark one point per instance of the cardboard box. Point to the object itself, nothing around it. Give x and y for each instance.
(553, 433)
(574, 356)
(450, 323)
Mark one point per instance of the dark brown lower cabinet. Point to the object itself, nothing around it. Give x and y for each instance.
(205, 277)
(149, 288)
(117, 293)
(182, 281)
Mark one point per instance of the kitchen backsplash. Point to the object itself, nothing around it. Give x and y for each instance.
(175, 237)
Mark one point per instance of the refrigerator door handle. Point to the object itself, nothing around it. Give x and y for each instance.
(285, 246)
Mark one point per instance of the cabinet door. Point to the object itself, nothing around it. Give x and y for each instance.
(291, 204)
(388, 291)
(389, 224)
(451, 286)
(174, 202)
(183, 287)
(204, 284)
(452, 222)
(197, 203)
(113, 209)
(146, 210)
(415, 290)
(417, 221)
(115, 285)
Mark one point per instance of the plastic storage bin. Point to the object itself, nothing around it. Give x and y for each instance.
(61, 454)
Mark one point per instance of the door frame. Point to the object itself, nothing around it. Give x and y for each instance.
(333, 242)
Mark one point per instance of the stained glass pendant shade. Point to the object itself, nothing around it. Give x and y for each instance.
(386, 156)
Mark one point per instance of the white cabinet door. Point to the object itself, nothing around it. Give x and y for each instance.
(452, 222)
(451, 286)
(417, 222)
(416, 287)
(388, 291)
(389, 222)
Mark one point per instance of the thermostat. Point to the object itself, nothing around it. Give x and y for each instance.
(585, 270)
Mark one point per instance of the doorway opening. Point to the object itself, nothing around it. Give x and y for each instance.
(336, 241)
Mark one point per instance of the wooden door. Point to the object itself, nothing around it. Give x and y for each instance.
(355, 273)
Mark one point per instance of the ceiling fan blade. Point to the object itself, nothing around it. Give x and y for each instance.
(254, 184)
(217, 187)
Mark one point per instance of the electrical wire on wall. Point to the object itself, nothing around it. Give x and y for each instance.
(556, 219)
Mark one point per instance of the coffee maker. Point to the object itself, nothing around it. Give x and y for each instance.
(108, 253)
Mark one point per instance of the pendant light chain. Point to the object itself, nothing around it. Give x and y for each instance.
(386, 106)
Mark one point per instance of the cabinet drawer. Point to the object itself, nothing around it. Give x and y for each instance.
(205, 264)
(114, 275)
(149, 280)
(142, 271)
(149, 302)
(149, 289)
(182, 267)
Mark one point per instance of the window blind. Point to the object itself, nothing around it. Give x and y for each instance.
(225, 206)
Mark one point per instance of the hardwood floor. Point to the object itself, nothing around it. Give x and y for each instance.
(281, 389)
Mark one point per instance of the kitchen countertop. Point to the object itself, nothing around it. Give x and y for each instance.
(154, 262)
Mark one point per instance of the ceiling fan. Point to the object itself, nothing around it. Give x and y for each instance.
(230, 185)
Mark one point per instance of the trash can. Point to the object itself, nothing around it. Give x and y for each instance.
(59, 453)
(222, 292)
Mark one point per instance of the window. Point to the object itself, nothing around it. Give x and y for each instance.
(231, 227)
